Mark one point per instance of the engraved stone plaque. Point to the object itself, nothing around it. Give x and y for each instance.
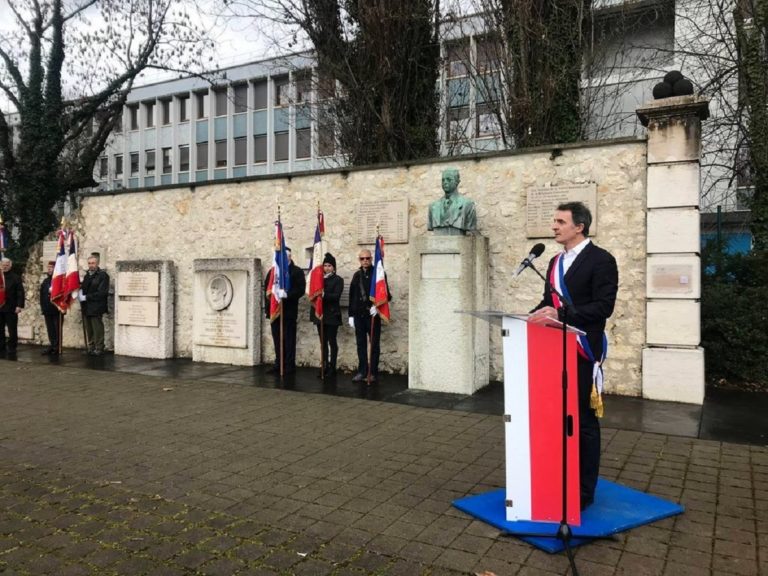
(138, 313)
(542, 203)
(672, 278)
(217, 324)
(50, 248)
(391, 217)
(138, 284)
(437, 266)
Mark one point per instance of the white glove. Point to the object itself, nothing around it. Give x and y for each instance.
(351, 322)
(374, 311)
(80, 296)
(281, 294)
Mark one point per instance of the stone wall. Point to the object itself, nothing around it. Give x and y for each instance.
(235, 220)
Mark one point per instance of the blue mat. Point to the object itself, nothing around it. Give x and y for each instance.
(616, 508)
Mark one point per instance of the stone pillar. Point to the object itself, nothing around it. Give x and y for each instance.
(673, 360)
(144, 308)
(448, 351)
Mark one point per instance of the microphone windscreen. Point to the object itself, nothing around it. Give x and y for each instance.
(537, 250)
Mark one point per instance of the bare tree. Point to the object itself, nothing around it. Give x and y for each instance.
(66, 67)
(377, 66)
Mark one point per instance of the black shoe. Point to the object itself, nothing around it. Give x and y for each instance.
(97, 353)
(87, 352)
(272, 370)
(46, 352)
(358, 377)
(330, 371)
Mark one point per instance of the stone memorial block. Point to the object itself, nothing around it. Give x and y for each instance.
(227, 306)
(391, 216)
(674, 276)
(144, 308)
(542, 202)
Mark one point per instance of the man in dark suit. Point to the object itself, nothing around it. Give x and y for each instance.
(587, 277)
(9, 312)
(290, 313)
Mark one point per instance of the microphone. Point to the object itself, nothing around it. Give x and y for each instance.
(536, 251)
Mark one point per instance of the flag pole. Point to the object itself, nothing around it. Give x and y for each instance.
(281, 308)
(322, 327)
(373, 318)
(2, 257)
(61, 314)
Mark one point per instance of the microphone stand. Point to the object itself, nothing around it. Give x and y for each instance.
(564, 532)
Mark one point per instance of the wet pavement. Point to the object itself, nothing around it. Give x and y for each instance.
(117, 465)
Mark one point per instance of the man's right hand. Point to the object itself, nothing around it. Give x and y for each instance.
(351, 322)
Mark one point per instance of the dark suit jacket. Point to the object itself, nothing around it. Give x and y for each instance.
(298, 287)
(14, 292)
(333, 286)
(592, 281)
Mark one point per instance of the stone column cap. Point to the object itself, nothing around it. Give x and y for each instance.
(691, 105)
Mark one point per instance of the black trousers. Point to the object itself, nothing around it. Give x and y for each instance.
(589, 434)
(11, 321)
(362, 335)
(289, 332)
(330, 344)
(52, 327)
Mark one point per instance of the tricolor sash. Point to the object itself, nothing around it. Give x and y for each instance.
(557, 280)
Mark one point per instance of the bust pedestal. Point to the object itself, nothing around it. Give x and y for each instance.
(448, 352)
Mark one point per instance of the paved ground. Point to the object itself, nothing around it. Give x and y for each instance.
(115, 473)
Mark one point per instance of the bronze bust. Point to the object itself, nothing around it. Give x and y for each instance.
(454, 214)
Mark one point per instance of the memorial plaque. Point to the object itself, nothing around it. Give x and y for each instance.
(138, 313)
(138, 284)
(438, 266)
(672, 278)
(220, 309)
(390, 215)
(542, 203)
(50, 250)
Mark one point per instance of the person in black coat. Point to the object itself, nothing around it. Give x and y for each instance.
(333, 286)
(290, 311)
(9, 312)
(94, 292)
(360, 312)
(591, 281)
(51, 313)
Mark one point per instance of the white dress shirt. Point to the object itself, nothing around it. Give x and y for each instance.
(570, 255)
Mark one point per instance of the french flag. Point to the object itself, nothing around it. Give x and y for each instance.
(534, 423)
(315, 284)
(3, 248)
(60, 296)
(379, 293)
(279, 281)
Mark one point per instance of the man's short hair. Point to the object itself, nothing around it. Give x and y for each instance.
(580, 214)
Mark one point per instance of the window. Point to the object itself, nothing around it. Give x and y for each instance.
(167, 161)
(281, 146)
(149, 110)
(303, 143)
(166, 111)
(221, 101)
(487, 57)
(119, 125)
(133, 116)
(184, 158)
(103, 167)
(134, 163)
(260, 91)
(118, 165)
(202, 105)
(221, 153)
(260, 149)
(303, 87)
(202, 155)
(326, 143)
(241, 98)
(149, 162)
(458, 123)
(281, 91)
(241, 151)
(487, 121)
(326, 87)
(457, 58)
(183, 102)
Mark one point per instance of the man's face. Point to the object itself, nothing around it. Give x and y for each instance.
(327, 268)
(566, 233)
(450, 182)
(6, 265)
(49, 269)
(365, 259)
(92, 264)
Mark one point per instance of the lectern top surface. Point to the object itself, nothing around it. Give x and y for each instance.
(497, 316)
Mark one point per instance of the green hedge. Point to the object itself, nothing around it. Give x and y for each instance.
(734, 311)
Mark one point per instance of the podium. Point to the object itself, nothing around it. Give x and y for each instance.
(534, 419)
